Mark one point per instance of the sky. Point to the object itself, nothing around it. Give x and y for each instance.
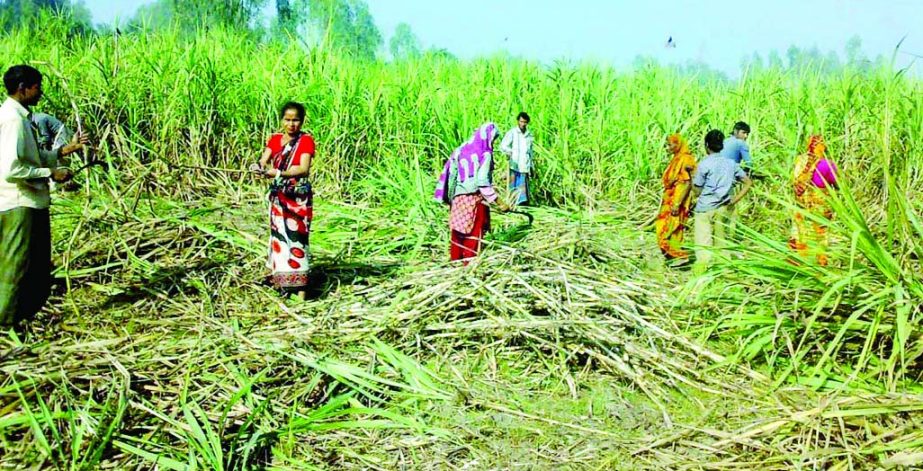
(717, 32)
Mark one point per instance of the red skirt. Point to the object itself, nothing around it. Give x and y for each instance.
(466, 246)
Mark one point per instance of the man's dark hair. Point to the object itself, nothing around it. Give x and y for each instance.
(714, 140)
(742, 126)
(293, 105)
(20, 76)
(525, 116)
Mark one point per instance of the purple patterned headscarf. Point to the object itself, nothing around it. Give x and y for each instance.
(478, 147)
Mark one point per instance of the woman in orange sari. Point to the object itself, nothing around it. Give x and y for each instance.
(814, 173)
(674, 207)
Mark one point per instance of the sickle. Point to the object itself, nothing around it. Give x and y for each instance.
(523, 213)
(93, 163)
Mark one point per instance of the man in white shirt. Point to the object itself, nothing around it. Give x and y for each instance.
(25, 226)
(517, 145)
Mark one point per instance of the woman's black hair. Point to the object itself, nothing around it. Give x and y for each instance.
(293, 105)
(714, 140)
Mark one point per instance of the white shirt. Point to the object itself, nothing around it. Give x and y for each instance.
(518, 146)
(24, 168)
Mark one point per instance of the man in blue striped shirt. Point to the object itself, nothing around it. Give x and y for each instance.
(735, 146)
(737, 150)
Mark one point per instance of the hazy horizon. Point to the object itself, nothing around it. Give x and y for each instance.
(620, 31)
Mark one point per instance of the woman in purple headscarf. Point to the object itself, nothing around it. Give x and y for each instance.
(466, 185)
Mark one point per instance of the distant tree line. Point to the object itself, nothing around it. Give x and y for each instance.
(794, 59)
(348, 26)
(829, 62)
(31, 13)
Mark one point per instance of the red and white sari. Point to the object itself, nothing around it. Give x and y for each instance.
(290, 216)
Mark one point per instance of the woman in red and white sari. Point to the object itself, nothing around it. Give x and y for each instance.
(287, 160)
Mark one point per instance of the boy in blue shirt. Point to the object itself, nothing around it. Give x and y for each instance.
(713, 190)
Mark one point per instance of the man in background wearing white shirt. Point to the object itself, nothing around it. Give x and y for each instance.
(25, 225)
(517, 145)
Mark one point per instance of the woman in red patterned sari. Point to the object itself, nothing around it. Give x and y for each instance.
(287, 160)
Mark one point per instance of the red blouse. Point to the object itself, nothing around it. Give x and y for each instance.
(305, 146)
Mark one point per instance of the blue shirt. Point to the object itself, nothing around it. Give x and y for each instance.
(737, 150)
(51, 132)
(716, 177)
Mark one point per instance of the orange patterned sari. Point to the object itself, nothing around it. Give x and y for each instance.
(809, 236)
(677, 179)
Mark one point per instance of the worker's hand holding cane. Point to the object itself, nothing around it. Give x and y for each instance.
(79, 142)
(80, 139)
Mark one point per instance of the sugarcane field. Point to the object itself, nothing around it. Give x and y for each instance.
(252, 235)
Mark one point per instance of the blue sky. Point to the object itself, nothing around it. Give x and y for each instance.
(718, 32)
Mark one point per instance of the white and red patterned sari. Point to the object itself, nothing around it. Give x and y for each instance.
(290, 214)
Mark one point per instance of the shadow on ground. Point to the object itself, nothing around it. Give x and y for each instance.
(328, 276)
